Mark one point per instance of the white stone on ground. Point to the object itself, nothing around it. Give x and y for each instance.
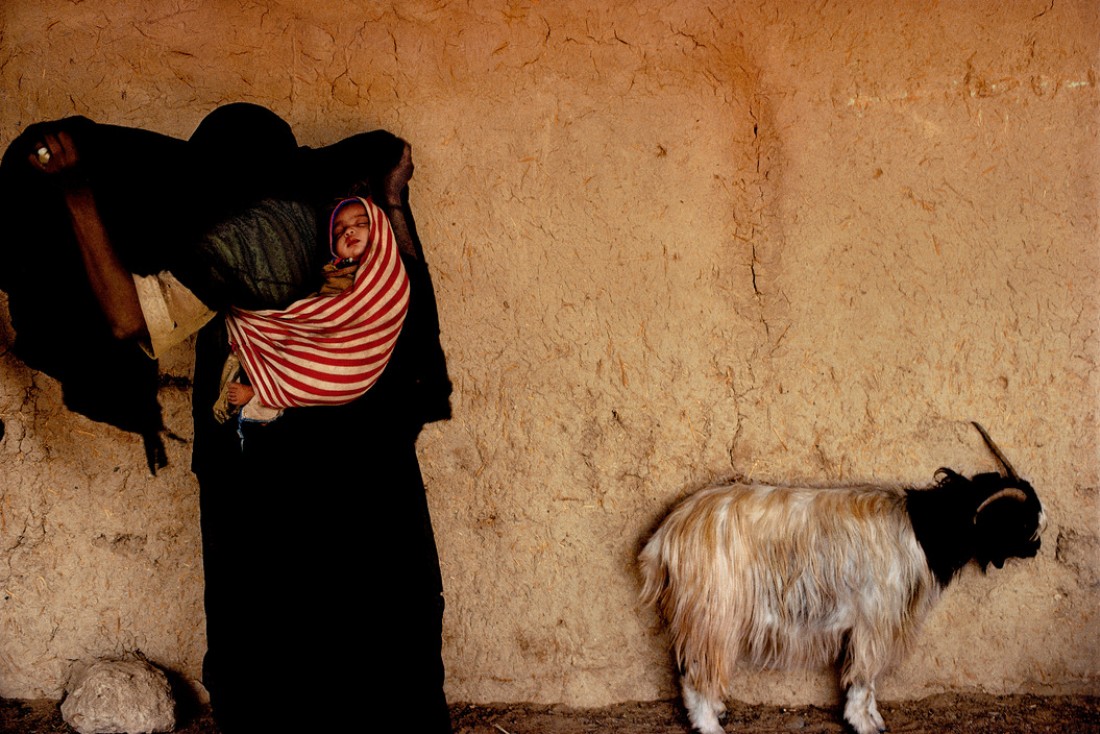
(120, 697)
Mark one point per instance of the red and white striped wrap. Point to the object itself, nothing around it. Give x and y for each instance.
(328, 350)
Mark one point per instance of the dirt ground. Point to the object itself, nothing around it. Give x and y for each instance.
(934, 715)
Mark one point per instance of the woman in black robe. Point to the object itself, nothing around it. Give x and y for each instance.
(320, 563)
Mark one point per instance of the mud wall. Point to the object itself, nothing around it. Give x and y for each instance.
(672, 245)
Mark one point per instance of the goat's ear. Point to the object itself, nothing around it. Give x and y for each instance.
(949, 478)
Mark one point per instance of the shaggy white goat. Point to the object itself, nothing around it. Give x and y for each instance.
(779, 577)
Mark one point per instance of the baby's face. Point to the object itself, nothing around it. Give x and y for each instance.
(349, 231)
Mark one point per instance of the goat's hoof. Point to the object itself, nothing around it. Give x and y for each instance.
(866, 727)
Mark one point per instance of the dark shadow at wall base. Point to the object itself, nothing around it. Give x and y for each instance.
(974, 714)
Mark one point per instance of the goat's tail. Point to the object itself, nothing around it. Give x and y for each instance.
(675, 572)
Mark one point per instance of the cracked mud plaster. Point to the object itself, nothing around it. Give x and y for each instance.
(672, 243)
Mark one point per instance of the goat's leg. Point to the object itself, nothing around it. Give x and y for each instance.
(703, 711)
(861, 667)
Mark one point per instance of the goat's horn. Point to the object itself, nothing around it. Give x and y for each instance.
(1010, 472)
(1013, 492)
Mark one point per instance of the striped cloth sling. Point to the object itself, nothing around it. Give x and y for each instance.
(328, 350)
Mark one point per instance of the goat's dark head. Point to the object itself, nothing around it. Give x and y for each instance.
(1009, 517)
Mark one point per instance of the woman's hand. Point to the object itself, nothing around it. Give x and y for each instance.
(55, 154)
(397, 179)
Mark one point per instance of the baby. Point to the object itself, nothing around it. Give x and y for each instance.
(349, 226)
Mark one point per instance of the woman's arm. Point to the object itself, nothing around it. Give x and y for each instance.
(112, 283)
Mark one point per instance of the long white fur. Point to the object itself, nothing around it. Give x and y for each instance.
(784, 577)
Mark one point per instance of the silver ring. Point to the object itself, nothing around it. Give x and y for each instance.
(43, 155)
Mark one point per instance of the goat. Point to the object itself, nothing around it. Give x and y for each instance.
(781, 577)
